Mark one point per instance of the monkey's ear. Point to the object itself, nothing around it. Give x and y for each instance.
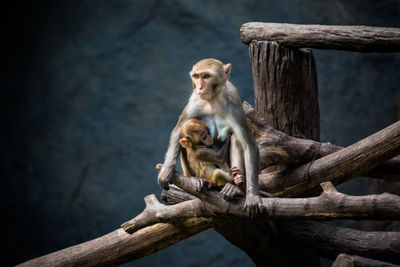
(227, 69)
(184, 142)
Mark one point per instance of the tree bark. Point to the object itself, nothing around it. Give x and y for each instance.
(344, 260)
(285, 88)
(350, 38)
(329, 240)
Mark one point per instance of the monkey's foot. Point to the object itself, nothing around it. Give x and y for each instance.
(252, 205)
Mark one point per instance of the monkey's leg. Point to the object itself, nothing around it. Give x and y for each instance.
(219, 177)
(229, 191)
(237, 155)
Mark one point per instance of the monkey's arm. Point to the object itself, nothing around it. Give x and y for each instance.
(208, 155)
(168, 167)
(184, 163)
(223, 152)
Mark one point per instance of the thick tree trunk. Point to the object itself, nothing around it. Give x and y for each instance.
(351, 38)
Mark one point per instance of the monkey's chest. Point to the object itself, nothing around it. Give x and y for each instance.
(219, 128)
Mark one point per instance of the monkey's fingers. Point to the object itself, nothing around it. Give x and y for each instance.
(239, 179)
(199, 184)
(228, 191)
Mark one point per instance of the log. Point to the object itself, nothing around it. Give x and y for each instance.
(352, 38)
(345, 260)
(278, 148)
(285, 88)
(357, 159)
(329, 240)
(119, 247)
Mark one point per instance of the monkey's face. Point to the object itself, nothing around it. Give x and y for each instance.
(205, 84)
(206, 138)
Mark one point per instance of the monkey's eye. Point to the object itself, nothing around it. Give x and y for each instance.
(206, 76)
(196, 76)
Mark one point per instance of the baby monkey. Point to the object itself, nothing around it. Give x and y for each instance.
(208, 164)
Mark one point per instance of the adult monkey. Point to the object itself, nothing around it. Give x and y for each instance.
(215, 101)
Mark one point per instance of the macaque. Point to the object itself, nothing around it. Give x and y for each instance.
(216, 102)
(206, 163)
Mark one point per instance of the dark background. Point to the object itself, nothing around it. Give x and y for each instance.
(92, 89)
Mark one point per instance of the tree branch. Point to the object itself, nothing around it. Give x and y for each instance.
(329, 240)
(119, 247)
(329, 205)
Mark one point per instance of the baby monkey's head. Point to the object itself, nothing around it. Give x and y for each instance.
(195, 133)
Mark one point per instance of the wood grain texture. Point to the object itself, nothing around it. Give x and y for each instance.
(351, 38)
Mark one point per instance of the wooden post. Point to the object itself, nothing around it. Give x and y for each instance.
(285, 88)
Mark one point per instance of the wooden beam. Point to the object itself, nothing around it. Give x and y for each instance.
(352, 38)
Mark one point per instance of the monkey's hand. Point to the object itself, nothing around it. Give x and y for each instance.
(252, 205)
(165, 176)
(237, 177)
(229, 191)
